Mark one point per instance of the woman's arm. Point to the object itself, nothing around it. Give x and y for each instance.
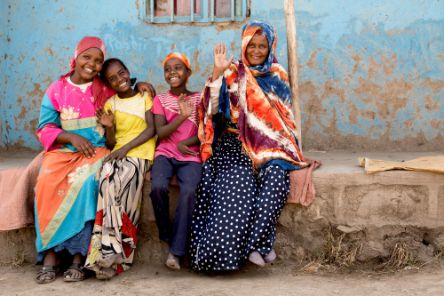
(80, 143)
(221, 63)
(50, 132)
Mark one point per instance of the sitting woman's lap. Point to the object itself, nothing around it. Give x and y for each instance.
(227, 222)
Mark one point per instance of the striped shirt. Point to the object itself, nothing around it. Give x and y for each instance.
(167, 105)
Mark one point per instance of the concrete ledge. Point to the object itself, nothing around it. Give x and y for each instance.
(371, 213)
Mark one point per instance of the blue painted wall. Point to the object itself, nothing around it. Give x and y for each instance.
(371, 71)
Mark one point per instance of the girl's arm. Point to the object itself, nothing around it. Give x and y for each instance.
(107, 120)
(184, 148)
(165, 129)
(144, 136)
(110, 133)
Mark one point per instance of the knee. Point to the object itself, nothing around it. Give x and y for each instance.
(158, 189)
(187, 191)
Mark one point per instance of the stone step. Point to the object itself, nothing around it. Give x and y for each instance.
(355, 216)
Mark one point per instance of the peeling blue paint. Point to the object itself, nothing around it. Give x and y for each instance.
(371, 72)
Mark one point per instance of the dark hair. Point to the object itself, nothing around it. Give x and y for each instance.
(108, 63)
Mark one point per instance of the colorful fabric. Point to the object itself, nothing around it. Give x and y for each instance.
(66, 195)
(77, 244)
(65, 107)
(114, 237)
(100, 91)
(178, 55)
(86, 43)
(248, 31)
(236, 210)
(258, 101)
(66, 189)
(129, 117)
(167, 105)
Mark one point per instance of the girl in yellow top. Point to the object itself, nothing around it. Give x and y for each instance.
(130, 130)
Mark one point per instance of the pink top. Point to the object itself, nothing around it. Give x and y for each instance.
(71, 108)
(167, 105)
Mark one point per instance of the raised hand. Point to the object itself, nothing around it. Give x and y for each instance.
(185, 106)
(221, 63)
(106, 119)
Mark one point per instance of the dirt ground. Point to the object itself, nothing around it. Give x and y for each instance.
(274, 280)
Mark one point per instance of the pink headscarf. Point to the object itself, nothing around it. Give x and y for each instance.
(180, 56)
(86, 43)
(99, 90)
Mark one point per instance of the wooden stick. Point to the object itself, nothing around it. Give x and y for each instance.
(290, 23)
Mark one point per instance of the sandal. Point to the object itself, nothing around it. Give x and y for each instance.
(46, 274)
(69, 274)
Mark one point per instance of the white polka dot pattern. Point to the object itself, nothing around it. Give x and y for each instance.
(236, 209)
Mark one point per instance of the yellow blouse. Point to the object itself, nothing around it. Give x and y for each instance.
(129, 118)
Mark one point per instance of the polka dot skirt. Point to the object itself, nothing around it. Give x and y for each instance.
(236, 210)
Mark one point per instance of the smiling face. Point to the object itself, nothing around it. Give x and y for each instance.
(118, 77)
(257, 50)
(176, 73)
(88, 65)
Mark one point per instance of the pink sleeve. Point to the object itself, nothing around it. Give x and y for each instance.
(157, 107)
(49, 126)
(48, 134)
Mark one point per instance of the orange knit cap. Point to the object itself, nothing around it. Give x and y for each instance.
(178, 55)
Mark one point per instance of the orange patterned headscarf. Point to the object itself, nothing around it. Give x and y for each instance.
(180, 56)
(258, 100)
(248, 31)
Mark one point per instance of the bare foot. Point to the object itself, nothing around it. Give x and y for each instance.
(256, 258)
(172, 262)
(105, 273)
(270, 257)
(109, 260)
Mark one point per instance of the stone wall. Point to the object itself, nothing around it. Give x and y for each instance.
(364, 215)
